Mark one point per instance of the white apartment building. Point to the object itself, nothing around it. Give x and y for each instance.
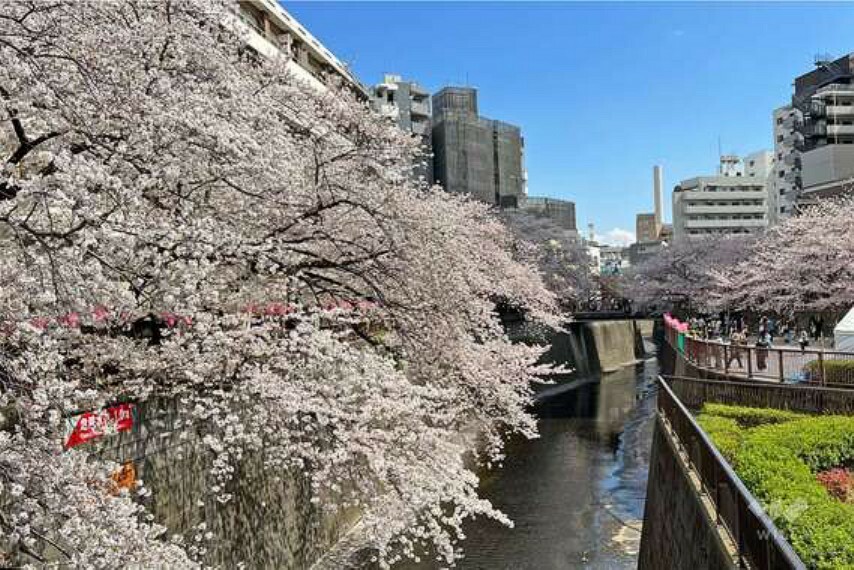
(735, 201)
(271, 31)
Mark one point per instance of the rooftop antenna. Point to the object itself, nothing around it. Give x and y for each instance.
(720, 152)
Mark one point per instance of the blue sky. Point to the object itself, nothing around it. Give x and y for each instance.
(602, 91)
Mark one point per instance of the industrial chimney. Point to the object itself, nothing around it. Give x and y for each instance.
(658, 196)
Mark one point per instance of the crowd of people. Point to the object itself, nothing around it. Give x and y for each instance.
(734, 330)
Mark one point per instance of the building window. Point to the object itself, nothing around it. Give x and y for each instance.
(779, 138)
(781, 174)
(779, 120)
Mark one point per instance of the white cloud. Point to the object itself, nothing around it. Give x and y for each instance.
(618, 236)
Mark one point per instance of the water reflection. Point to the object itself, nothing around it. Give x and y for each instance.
(575, 494)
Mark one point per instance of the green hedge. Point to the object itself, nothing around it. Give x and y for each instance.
(725, 433)
(778, 460)
(837, 371)
(751, 417)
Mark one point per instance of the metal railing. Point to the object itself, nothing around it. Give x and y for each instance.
(758, 542)
(696, 392)
(778, 364)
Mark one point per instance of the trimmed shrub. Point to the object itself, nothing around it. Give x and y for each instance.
(725, 433)
(836, 371)
(751, 417)
(778, 459)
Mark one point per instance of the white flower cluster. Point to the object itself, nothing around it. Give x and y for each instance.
(157, 180)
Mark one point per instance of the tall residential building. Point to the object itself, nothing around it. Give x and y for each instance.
(814, 137)
(825, 97)
(271, 31)
(562, 212)
(735, 201)
(408, 104)
(475, 155)
(785, 182)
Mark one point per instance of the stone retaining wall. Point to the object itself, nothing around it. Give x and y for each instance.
(679, 529)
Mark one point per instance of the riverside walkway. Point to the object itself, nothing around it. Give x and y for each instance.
(773, 364)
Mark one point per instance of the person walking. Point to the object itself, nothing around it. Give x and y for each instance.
(804, 340)
(763, 343)
(737, 339)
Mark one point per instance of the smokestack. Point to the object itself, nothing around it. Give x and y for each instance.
(658, 196)
(591, 231)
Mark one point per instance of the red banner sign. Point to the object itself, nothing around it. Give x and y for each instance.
(85, 427)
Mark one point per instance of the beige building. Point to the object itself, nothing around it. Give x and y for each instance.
(271, 31)
(646, 227)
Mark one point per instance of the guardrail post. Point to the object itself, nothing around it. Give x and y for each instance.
(726, 360)
(821, 368)
(780, 361)
(749, 362)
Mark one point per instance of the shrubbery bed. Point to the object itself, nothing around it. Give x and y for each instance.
(836, 371)
(778, 454)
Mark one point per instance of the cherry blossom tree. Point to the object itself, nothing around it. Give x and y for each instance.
(181, 218)
(682, 276)
(806, 263)
(557, 252)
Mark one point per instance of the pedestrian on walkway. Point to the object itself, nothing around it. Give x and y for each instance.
(804, 340)
(763, 343)
(737, 340)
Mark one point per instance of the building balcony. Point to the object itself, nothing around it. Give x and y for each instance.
(417, 91)
(840, 110)
(722, 224)
(838, 130)
(812, 129)
(816, 108)
(697, 196)
(420, 108)
(724, 210)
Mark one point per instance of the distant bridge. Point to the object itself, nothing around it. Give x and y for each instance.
(609, 316)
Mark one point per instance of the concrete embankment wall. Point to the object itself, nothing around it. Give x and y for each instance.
(270, 521)
(679, 530)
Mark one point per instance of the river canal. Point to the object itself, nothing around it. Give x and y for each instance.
(576, 494)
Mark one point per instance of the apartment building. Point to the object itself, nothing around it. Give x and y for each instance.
(735, 201)
(408, 105)
(271, 31)
(785, 181)
(406, 102)
(825, 97)
(814, 137)
(475, 155)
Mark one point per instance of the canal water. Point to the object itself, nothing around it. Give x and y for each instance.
(576, 494)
